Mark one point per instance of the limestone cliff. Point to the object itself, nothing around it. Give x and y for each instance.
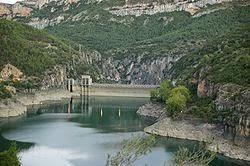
(19, 9)
(232, 103)
(152, 8)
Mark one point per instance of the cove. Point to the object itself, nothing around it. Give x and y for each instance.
(83, 131)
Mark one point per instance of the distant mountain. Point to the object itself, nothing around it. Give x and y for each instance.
(144, 42)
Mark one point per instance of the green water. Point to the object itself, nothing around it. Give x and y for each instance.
(82, 132)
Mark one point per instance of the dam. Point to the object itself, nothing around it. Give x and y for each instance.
(87, 88)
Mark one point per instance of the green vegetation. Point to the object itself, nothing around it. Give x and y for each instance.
(131, 151)
(199, 156)
(176, 98)
(161, 94)
(4, 93)
(203, 108)
(31, 50)
(227, 57)
(9, 157)
(137, 147)
(10, 86)
(179, 100)
(219, 39)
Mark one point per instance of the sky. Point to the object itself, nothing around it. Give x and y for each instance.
(8, 1)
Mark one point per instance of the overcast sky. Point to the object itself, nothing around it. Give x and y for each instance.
(8, 1)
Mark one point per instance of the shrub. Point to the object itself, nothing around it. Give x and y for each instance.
(155, 95)
(9, 157)
(176, 104)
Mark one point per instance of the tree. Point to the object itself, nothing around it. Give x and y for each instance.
(131, 151)
(176, 104)
(9, 157)
(181, 90)
(165, 90)
(177, 101)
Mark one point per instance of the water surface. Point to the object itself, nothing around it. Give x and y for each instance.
(82, 132)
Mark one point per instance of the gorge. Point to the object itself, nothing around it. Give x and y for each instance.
(202, 44)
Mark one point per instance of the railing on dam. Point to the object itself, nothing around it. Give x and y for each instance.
(123, 86)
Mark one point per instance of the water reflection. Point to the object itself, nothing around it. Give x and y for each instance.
(82, 131)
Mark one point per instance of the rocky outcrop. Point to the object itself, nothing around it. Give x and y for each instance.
(211, 134)
(152, 8)
(11, 108)
(55, 78)
(10, 70)
(137, 69)
(18, 106)
(154, 111)
(208, 133)
(205, 88)
(232, 103)
(235, 99)
(41, 23)
(18, 9)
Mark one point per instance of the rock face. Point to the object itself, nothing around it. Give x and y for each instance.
(9, 70)
(191, 130)
(55, 78)
(11, 108)
(231, 98)
(153, 8)
(137, 69)
(19, 9)
(200, 132)
(235, 98)
(154, 111)
(205, 88)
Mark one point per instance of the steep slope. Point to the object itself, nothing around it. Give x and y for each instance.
(140, 42)
(31, 50)
(143, 49)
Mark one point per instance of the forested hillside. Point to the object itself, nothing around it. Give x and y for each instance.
(31, 50)
(142, 49)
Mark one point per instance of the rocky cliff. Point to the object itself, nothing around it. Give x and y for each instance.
(19, 9)
(154, 7)
(232, 103)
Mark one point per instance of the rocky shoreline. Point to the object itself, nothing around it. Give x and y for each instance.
(211, 134)
(18, 105)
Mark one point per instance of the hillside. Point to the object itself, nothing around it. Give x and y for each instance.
(145, 42)
(31, 50)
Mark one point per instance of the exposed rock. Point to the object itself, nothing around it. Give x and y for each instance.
(44, 22)
(11, 108)
(18, 9)
(208, 133)
(4, 10)
(18, 106)
(236, 99)
(154, 111)
(55, 78)
(11, 89)
(10, 70)
(137, 69)
(152, 8)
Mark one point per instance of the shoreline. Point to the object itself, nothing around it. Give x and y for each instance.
(18, 105)
(211, 134)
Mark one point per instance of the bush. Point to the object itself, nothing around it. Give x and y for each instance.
(4, 93)
(177, 101)
(161, 94)
(155, 95)
(9, 157)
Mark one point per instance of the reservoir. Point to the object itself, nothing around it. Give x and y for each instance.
(83, 131)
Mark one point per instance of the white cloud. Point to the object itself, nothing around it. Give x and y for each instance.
(9, 1)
